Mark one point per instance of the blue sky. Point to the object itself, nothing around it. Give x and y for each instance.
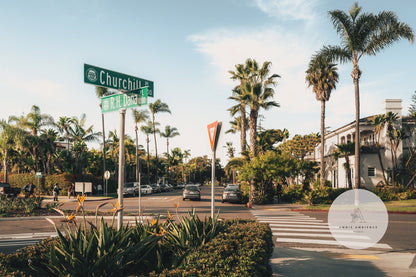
(186, 47)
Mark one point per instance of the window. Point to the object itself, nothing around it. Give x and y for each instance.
(371, 171)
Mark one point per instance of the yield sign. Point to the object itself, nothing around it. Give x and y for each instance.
(214, 130)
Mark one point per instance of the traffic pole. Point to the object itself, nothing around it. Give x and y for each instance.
(213, 185)
(121, 170)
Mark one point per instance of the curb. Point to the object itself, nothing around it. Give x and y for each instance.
(311, 210)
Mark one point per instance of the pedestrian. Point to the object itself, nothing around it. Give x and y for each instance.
(99, 189)
(26, 190)
(73, 190)
(69, 191)
(31, 189)
(55, 192)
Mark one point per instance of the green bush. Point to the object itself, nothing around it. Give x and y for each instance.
(292, 194)
(243, 248)
(389, 193)
(16, 204)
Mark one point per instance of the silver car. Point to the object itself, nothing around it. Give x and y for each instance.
(191, 192)
(145, 189)
(130, 189)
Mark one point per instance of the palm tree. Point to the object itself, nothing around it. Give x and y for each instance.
(363, 34)
(379, 121)
(157, 107)
(285, 134)
(147, 130)
(258, 91)
(322, 76)
(63, 124)
(170, 132)
(34, 121)
(240, 108)
(345, 151)
(81, 134)
(8, 137)
(138, 117)
(48, 146)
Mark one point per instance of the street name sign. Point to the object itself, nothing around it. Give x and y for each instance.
(126, 100)
(111, 79)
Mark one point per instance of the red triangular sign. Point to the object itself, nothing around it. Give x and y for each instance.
(212, 131)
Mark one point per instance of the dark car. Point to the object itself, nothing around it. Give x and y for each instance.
(6, 189)
(231, 194)
(191, 192)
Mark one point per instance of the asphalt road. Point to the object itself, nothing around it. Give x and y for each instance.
(399, 235)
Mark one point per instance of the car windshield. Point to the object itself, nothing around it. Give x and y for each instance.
(231, 189)
(129, 185)
(144, 186)
(191, 188)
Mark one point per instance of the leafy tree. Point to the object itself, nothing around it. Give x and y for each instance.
(322, 76)
(300, 146)
(363, 34)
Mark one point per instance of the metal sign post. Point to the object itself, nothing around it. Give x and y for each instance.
(214, 130)
(121, 169)
(133, 93)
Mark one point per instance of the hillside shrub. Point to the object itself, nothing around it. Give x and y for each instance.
(390, 193)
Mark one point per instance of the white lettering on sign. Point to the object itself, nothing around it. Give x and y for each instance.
(102, 77)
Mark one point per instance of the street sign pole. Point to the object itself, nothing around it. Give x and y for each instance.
(214, 130)
(121, 169)
(213, 185)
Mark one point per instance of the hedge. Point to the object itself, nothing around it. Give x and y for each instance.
(46, 183)
(243, 249)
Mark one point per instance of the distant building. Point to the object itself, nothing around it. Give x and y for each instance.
(371, 172)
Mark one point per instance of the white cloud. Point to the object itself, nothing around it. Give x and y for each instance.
(288, 9)
(288, 52)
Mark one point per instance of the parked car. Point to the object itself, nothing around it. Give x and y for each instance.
(130, 189)
(156, 188)
(165, 187)
(191, 192)
(231, 194)
(6, 189)
(232, 186)
(145, 189)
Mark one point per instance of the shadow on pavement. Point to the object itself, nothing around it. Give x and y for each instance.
(297, 262)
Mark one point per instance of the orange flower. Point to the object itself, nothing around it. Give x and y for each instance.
(154, 222)
(162, 231)
(80, 199)
(170, 216)
(116, 208)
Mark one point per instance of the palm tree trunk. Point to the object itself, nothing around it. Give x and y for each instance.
(154, 136)
(356, 73)
(243, 140)
(253, 132)
(322, 180)
(5, 166)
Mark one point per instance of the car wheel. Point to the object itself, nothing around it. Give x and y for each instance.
(183, 199)
(222, 201)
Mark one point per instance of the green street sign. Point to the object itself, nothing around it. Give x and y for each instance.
(126, 100)
(110, 79)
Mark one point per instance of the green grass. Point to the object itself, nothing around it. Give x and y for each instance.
(392, 206)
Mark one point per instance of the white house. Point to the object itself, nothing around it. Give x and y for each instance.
(371, 169)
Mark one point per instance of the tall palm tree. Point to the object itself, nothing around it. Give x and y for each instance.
(363, 34)
(258, 92)
(240, 108)
(138, 117)
(147, 130)
(157, 107)
(170, 132)
(322, 76)
(63, 124)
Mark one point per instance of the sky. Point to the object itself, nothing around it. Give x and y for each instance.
(186, 48)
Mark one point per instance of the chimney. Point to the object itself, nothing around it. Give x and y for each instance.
(394, 106)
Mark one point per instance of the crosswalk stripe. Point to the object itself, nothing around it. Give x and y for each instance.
(332, 242)
(280, 234)
(291, 219)
(293, 222)
(312, 230)
(299, 225)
